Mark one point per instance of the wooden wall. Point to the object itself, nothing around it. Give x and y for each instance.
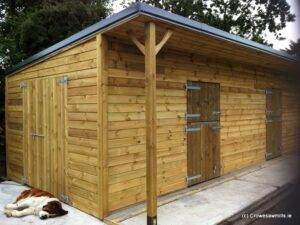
(14, 130)
(291, 121)
(243, 105)
(78, 63)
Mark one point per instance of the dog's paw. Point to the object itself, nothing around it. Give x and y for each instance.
(9, 206)
(8, 213)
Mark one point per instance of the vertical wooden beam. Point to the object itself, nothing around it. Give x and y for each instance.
(151, 160)
(6, 126)
(25, 130)
(102, 81)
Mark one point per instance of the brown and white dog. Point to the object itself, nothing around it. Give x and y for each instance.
(35, 202)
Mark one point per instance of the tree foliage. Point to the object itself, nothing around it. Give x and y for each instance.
(247, 18)
(28, 26)
(294, 48)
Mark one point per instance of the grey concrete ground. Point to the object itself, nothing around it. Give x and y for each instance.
(225, 197)
(8, 192)
(215, 204)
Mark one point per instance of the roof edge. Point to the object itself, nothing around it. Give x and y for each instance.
(114, 18)
(212, 31)
(144, 9)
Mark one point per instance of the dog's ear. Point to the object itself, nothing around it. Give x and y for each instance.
(63, 212)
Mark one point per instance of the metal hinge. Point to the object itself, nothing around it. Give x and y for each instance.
(24, 180)
(268, 112)
(268, 154)
(190, 179)
(215, 169)
(190, 87)
(269, 92)
(63, 80)
(269, 121)
(65, 198)
(192, 128)
(191, 116)
(23, 85)
(216, 127)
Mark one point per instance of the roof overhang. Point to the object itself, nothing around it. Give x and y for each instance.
(141, 9)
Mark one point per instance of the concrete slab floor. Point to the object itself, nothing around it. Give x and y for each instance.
(215, 204)
(10, 190)
(205, 207)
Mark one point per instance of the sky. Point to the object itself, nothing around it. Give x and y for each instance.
(291, 32)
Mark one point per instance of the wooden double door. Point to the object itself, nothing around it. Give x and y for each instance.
(273, 123)
(203, 131)
(44, 134)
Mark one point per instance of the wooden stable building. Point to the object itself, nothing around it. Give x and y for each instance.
(146, 100)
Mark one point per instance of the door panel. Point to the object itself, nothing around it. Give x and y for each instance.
(205, 101)
(46, 134)
(195, 155)
(203, 133)
(273, 123)
(211, 145)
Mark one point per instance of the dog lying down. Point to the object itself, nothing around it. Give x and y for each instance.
(35, 202)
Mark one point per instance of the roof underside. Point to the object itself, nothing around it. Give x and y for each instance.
(198, 36)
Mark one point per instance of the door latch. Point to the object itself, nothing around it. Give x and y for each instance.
(216, 113)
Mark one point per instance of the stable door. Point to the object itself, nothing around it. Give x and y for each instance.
(273, 123)
(203, 131)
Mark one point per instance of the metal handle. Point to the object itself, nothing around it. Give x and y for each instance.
(34, 135)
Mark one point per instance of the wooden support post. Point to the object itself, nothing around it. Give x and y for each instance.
(151, 160)
(102, 81)
(150, 50)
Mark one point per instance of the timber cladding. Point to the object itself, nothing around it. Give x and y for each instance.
(52, 126)
(63, 117)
